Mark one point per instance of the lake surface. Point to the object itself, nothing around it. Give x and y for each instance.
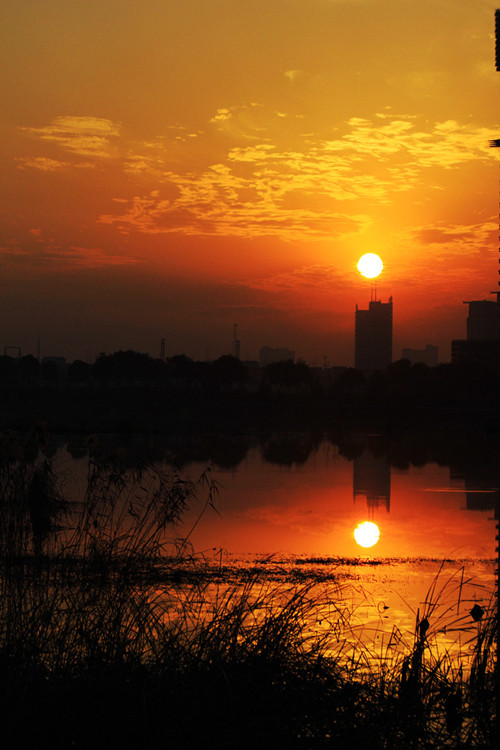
(289, 496)
(287, 508)
(436, 524)
(312, 508)
(294, 499)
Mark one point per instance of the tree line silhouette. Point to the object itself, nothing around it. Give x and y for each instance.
(136, 369)
(399, 381)
(237, 394)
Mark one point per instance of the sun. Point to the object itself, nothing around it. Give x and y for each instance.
(370, 265)
(367, 534)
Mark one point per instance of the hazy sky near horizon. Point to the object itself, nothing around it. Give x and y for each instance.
(172, 167)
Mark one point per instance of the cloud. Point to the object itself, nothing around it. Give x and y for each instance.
(44, 256)
(86, 136)
(94, 257)
(42, 163)
(221, 115)
(247, 121)
(312, 279)
(212, 206)
(268, 177)
(446, 144)
(293, 75)
(262, 189)
(466, 235)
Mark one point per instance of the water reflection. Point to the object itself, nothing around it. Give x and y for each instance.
(293, 493)
(307, 508)
(367, 534)
(372, 480)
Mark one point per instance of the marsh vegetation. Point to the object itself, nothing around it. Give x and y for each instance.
(115, 633)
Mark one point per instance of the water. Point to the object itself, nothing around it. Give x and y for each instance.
(295, 502)
(312, 508)
(286, 512)
(435, 525)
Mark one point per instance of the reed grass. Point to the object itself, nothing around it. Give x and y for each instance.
(113, 633)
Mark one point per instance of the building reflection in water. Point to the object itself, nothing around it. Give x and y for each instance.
(482, 493)
(481, 487)
(372, 480)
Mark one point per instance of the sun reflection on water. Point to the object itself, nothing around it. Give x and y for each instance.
(367, 534)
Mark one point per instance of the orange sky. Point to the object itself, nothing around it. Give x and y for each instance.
(172, 167)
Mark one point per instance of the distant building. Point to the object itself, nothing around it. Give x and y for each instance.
(268, 355)
(482, 321)
(482, 345)
(373, 336)
(428, 356)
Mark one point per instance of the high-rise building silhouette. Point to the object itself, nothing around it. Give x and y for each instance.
(373, 336)
(482, 345)
(482, 321)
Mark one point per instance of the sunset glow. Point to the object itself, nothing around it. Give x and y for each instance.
(172, 168)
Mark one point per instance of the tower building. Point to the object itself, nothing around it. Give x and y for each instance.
(373, 336)
(482, 345)
(482, 321)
